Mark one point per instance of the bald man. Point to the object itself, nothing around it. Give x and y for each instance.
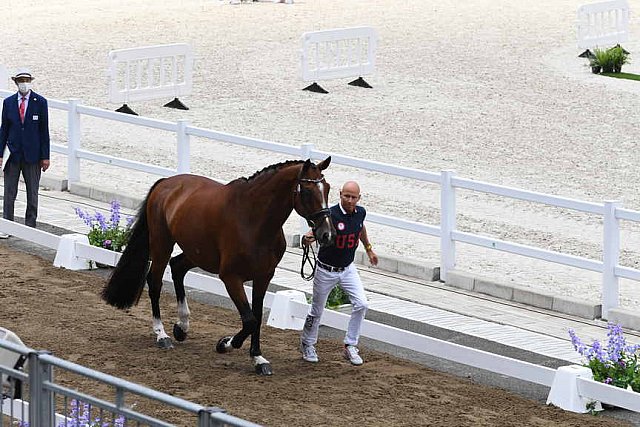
(335, 266)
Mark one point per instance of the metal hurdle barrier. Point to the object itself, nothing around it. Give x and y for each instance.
(338, 53)
(602, 24)
(46, 401)
(150, 72)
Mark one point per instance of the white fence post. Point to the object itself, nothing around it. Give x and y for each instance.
(610, 257)
(447, 224)
(184, 147)
(73, 143)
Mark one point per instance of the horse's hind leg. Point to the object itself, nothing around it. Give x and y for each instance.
(180, 265)
(154, 280)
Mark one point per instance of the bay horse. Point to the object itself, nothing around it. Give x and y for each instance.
(233, 230)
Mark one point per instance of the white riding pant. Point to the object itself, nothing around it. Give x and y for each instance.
(323, 282)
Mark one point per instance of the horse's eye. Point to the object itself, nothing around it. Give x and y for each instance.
(305, 195)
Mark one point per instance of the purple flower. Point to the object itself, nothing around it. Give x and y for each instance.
(102, 221)
(597, 352)
(616, 345)
(609, 380)
(80, 416)
(577, 343)
(84, 216)
(115, 213)
(107, 243)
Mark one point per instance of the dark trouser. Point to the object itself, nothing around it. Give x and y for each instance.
(31, 174)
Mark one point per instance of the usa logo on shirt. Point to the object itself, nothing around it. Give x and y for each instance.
(341, 226)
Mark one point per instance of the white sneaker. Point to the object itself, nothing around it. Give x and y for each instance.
(351, 354)
(309, 353)
(4, 235)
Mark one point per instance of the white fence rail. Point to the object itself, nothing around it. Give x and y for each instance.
(603, 24)
(342, 52)
(150, 72)
(612, 212)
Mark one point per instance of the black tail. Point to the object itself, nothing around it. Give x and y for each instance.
(126, 283)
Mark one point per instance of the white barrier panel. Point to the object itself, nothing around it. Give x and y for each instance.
(343, 52)
(4, 78)
(564, 390)
(66, 255)
(150, 72)
(603, 24)
(279, 316)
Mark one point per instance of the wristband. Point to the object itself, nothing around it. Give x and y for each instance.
(367, 247)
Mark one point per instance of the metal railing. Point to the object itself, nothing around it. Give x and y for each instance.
(46, 398)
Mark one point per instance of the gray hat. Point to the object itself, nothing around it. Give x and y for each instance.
(22, 72)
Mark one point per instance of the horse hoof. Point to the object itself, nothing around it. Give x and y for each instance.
(264, 369)
(165, 343)
(221, 347)
(178, 333)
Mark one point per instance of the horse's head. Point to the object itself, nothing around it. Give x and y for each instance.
(310, 201)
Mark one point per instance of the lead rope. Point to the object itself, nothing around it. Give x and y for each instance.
(307, 259)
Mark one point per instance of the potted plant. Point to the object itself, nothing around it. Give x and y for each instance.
(615, 363)
(608, 60)
(619, 57)
(107, 233)
(338, 299)
(80, 415)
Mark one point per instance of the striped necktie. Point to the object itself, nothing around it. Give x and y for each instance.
(22, 109)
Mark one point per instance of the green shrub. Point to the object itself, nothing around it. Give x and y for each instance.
(337, 297)
(609, 60)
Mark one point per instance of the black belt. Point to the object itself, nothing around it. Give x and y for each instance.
(330, 268)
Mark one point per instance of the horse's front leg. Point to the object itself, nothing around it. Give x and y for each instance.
(262, 365)
(235, 289)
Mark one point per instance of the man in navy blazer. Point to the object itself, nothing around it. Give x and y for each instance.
(24, 138)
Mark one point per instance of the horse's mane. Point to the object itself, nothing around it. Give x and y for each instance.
(272, 167)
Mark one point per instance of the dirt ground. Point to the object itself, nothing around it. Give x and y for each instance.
(61, 311)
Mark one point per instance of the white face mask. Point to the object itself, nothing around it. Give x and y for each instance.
(24, 87)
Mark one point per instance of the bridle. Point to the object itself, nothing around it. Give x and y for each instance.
(313, 220)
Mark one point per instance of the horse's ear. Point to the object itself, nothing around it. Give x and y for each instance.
(305, 166)
(324, 164)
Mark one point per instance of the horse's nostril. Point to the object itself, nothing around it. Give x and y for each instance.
(329, 238)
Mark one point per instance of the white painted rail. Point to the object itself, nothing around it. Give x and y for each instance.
(603, 24)
(608, 394)
(342, 52)
(150, 72)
